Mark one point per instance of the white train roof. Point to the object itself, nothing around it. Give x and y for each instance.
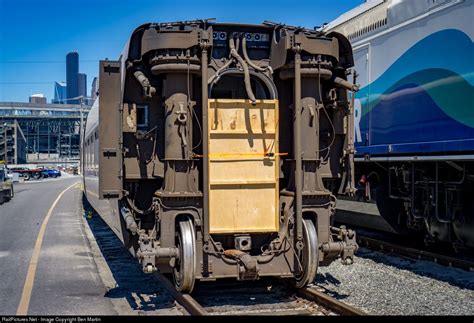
(365, 18)
(376, 15)
(357, 11)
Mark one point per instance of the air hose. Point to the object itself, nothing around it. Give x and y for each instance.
(248, 87)
(247, 59)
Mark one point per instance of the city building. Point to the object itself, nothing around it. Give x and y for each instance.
(82, 84)
(72, 78)
(12, 143)
(51, 131)
(95, 88)
(38, 98)
(60, 94)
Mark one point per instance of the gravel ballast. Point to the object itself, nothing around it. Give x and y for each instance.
(385, 284)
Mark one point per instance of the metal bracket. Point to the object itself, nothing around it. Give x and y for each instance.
(345, 247)
(111, 69)
(247, 265)
(109, 152)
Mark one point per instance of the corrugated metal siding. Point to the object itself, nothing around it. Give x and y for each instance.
(370, 20)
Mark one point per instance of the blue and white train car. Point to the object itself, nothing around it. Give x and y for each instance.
(414, 126)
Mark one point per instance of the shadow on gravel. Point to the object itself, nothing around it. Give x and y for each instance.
(142, 292)
(453, 276)
(223, 293)
(323, 279)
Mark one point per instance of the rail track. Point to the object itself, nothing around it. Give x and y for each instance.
(414, 253)
(257, 298)
(330, 302)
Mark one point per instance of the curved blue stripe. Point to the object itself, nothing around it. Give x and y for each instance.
(409, 114)
(449, 49)
(407, 119)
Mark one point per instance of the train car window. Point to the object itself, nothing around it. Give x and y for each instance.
(142, 116)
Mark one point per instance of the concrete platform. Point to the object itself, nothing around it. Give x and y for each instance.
(361, 214)
(65, 277)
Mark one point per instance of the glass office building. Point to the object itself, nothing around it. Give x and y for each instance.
(72, 77)
(60, 94)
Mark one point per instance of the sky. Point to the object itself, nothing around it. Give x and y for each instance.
(36, 35)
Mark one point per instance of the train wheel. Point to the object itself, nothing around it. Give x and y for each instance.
(309, 256)
(184, 270)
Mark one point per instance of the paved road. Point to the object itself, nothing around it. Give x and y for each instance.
(66, 279)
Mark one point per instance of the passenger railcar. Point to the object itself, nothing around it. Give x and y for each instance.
(215, 150)
(414, 122)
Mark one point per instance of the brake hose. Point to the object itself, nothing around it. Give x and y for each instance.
(244, 65)
(247, 59)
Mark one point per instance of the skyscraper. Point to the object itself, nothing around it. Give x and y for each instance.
(60, 93)
(72, 71)
(95, 88)
(82, 84)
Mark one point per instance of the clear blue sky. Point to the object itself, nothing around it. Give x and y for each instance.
(36, 35)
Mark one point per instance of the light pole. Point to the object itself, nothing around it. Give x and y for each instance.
(81, 130)
(81, 138)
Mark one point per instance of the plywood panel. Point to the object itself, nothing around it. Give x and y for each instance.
(240, 147)
(238, 116)
(242, 171)
(243, 208)
(243, 166)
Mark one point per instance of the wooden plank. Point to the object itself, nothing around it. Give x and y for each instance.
(240, 117)
(242, 171)
(243, 180)
(243, 208)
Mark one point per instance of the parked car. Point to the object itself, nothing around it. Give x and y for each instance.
(27, 173)
(6, 185)
(50, 172)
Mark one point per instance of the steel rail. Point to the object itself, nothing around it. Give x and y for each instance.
(329, 302)
(186, 300)
(384, 246)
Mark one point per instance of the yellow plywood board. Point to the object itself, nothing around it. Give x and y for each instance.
(249, 147)
(243, 166)
(243, 208)
(240, 116)
(242, 171)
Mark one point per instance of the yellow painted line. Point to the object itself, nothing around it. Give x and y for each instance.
(30, 277)
(92, 193)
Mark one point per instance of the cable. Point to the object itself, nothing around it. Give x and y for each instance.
(200, 128)
(141, 212)
(329, 119)
(333, 130)
(21, 83)
(45, 62)
(192, 110)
